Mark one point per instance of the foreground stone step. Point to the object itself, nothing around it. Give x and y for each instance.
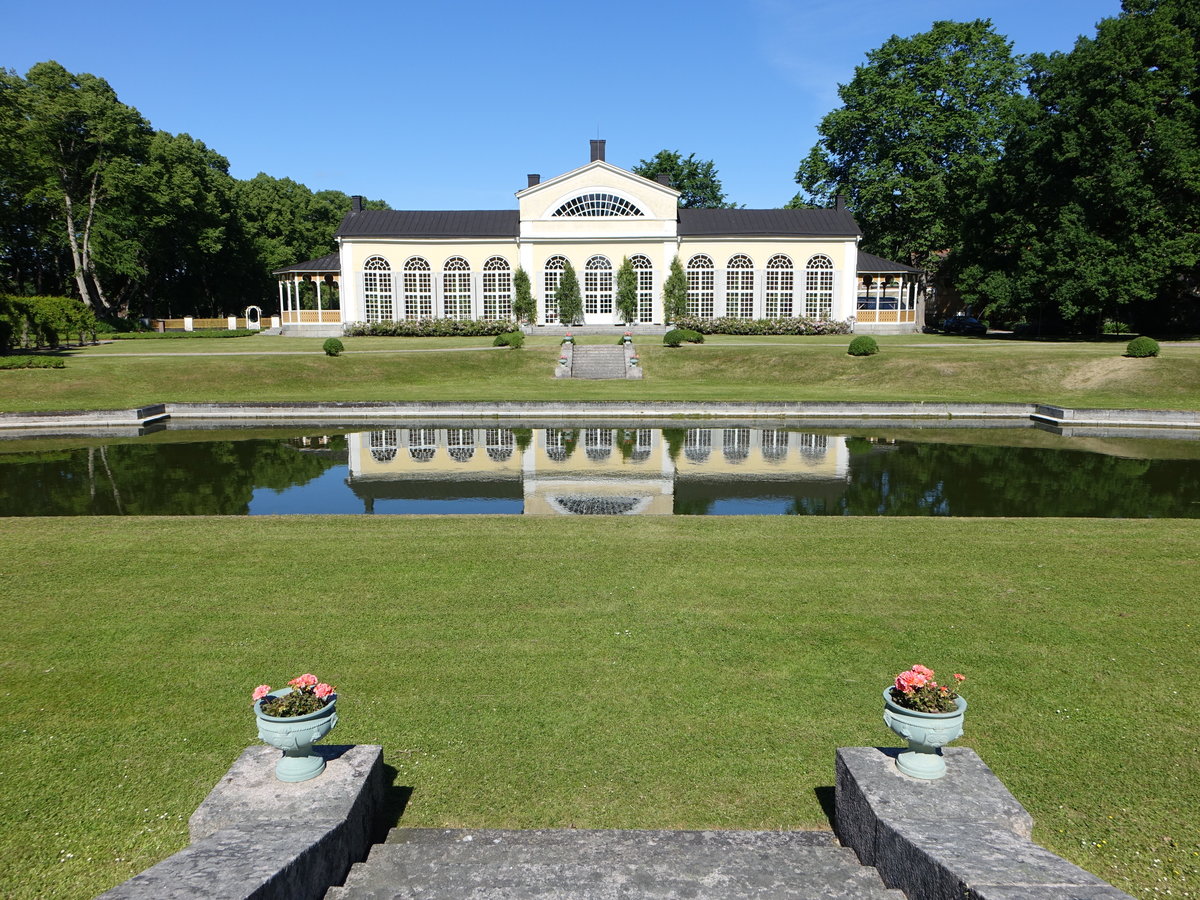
(598, 362)
(460, 864)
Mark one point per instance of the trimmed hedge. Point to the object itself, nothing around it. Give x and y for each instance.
(729, 325)
(178, 335)
(513, 339)
(1142, 347)
(431, 328)
(43, 321)
(863, 345)
(333, 347)
(32, 362)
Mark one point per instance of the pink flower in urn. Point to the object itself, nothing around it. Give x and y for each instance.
(922, 670)
(261, 691)
(959, 678)
(324, 691)
(917, 690)
(304, 681)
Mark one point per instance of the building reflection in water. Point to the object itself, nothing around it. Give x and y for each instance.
(585, 471)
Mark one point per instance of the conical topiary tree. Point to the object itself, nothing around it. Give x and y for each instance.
(627, 292)
(570, 302)
(674, 293)
(524, 306)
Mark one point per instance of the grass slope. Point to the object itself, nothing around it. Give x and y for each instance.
(909, 367)
(615, 673)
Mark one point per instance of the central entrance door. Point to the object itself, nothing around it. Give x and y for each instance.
(599, 306)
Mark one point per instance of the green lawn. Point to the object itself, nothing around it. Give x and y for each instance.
(909, 367)
(614, 673)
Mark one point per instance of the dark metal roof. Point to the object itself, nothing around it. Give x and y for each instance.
(869, 262)
(774, 222)
(432, 223)
(330, 263)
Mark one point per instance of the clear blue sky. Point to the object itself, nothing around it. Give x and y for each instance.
(448, 105)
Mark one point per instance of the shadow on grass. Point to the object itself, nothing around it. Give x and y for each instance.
(825, 796)
(395, 800)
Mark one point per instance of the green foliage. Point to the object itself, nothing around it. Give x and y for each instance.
(1095, 212)
(32, 362)
(181, 335)
(522, 437)
(732, 325)
(43, 321)
(524, 305)
(1141, 347)
(570, 301)
(674, 293)
(674, 337)
(863, 345)
(627, 292)
(292, 704)
(513, 339)
(921, 123)
(333, 347)
(430, 328)
(695, 179)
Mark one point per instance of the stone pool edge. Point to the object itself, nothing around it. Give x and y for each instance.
(1037, 413)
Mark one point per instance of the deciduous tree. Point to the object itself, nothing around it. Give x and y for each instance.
(695, 179)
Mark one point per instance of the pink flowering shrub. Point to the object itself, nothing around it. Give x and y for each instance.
(308, 695)
(917, 690)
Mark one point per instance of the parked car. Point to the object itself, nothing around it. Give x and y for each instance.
(963, 325)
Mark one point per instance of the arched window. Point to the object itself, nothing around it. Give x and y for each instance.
(700, 286)
(774, 442)
(461, 443)
(597, 204)
(779, 287)
(736, 444)
(818, 287)
(499, 443)
(642, 445)
(418, 289)
(456, 288)
(598, 287)
(598, 443)
(551, 276)
(739, 288)
(697, 444)
(383, 445)
(644, 269)
(497, 289)
(422, 444)
(377, 290)
(814, 446)
(557, 444)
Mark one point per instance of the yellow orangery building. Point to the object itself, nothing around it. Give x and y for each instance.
(744, 263)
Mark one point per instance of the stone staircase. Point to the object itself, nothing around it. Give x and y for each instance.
(598, 361)
(460, 864)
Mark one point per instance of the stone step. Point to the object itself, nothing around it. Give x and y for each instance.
(457, 864)
(598, 362)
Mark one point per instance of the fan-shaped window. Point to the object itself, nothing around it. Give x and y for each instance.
(739, 288)
(774, 444)
(418, 289)
(499, 443)
(644, 269)
(598, 443)
(422, 444)
(461, 443)
(700, 286)
(697, 444)
(737, 444)
(377, 290)
(551, 276)
(779, 287)
(597, 204)
(497, 289)
(598, 287)
(383, 445)
(580, 505)
(818, 288)
(456, 288)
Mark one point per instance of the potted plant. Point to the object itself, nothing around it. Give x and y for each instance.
(294, 718)
(928, 715)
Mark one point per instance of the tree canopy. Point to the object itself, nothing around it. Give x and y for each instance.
(695, 179)
(921, 122)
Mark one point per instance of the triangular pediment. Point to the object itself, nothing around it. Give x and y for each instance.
(633, 195)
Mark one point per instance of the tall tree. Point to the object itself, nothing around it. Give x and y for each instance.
(695, 179)
(82, 147)
(1095, 211)
(570, 304)
(674, 293)
(921, 123)
(524, 306)
(627, 285)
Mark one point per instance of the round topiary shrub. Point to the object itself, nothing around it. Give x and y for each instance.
(692, 337)
(1141, 347)
(514, 339)
(332, 347)
(863, 345)
(674, 337)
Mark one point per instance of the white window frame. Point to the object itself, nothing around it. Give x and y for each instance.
(739, 287)
(497, 288)
(377, 290)
(456, 288)
(418, 288)
(780, 288)
(644, 269)
(551, 278)
(818, 287)
(598, 286)
(701, 286)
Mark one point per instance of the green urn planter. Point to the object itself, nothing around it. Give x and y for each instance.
(925, 733)
(295, 735)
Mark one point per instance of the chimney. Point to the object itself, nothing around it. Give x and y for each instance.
(663, 178)
(533, 179)
(356, 203)
(597, 151)
(839, 202)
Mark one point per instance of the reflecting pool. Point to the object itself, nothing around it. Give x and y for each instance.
(722, 470)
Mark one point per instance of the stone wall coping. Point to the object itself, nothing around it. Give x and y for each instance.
(960, 837)
(256, 837)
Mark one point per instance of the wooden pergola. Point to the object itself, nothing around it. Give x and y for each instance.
(325, 272)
